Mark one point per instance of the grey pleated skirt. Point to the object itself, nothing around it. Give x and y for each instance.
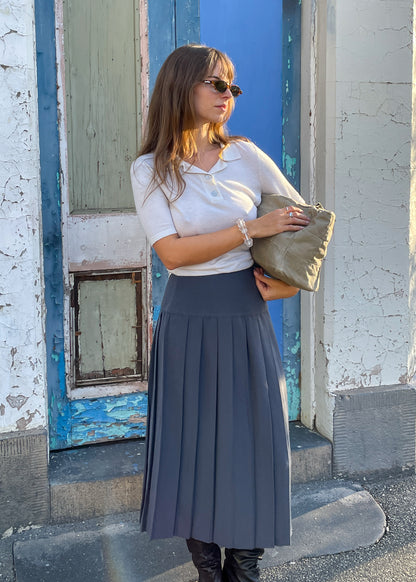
(217, 454)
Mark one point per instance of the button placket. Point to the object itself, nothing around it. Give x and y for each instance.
(211, 186)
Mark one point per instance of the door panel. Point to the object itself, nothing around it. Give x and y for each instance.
(257, 40)
(102, 392)
(104, 245)
(105, 242)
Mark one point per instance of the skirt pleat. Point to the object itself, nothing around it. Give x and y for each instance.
(217, 453)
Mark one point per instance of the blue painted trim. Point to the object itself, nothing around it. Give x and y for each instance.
(161, 21)
(162, 35)
(187, 22)
(59, 419)
(291, 166)
(291, 91)
(172, 23)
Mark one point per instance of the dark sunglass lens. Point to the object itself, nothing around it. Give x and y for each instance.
(235, 90)
(221, 86)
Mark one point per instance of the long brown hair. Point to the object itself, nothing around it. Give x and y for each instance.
(170, 132)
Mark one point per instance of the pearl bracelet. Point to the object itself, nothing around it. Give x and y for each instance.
(242, 227)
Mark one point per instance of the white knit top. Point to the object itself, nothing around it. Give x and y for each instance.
(211, 200)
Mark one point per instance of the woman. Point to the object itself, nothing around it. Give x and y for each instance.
(218, 461)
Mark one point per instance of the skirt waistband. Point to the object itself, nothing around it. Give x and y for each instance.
(223, 294)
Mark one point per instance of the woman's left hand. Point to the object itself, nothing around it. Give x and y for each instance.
(272, 288)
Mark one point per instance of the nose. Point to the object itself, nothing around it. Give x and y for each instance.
(227, 94)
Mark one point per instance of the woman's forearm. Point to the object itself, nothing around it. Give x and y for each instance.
(175, 251)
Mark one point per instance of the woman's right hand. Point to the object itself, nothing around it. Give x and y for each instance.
(280, 220)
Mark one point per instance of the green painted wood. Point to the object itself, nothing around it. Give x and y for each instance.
(107, 336)
(102, 75)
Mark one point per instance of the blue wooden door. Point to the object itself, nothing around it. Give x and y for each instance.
(84, 294)
(263, 41)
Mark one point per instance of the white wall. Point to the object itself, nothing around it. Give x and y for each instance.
(365, 313)
(22, 353)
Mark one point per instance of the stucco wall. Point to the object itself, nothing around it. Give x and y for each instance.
(367, 335)
(22, 360)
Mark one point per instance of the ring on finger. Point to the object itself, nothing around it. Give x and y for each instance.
(290, 214)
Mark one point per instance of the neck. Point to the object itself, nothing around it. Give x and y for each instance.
(201, 138)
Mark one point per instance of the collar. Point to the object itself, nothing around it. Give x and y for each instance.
(228, 153)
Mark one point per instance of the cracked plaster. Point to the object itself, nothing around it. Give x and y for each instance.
(369, 329)
(22, 352)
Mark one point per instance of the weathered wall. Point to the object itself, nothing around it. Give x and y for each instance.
(365, 312)
(22, 361)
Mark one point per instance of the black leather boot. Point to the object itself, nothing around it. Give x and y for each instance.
(207, 559)
(241, 565)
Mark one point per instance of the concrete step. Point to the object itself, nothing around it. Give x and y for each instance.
(104, 479)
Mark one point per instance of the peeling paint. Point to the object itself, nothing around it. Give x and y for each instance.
(17, 401)
(23, 422)
(51, 221)
(108, 418)
(21, 305)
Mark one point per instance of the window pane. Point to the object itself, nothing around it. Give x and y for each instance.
(108, 328)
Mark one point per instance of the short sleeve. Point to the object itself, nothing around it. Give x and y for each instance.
(151, 204)
(272, 179)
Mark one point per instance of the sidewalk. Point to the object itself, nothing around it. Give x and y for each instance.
(336, 526)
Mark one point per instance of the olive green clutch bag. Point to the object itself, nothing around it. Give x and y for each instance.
(294, 257)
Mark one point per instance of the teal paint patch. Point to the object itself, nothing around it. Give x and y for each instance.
(290, 164)
(59, 410)
(111, 418)
(156, 312)
(291, 354)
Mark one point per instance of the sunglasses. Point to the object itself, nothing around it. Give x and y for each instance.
(222, 86)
